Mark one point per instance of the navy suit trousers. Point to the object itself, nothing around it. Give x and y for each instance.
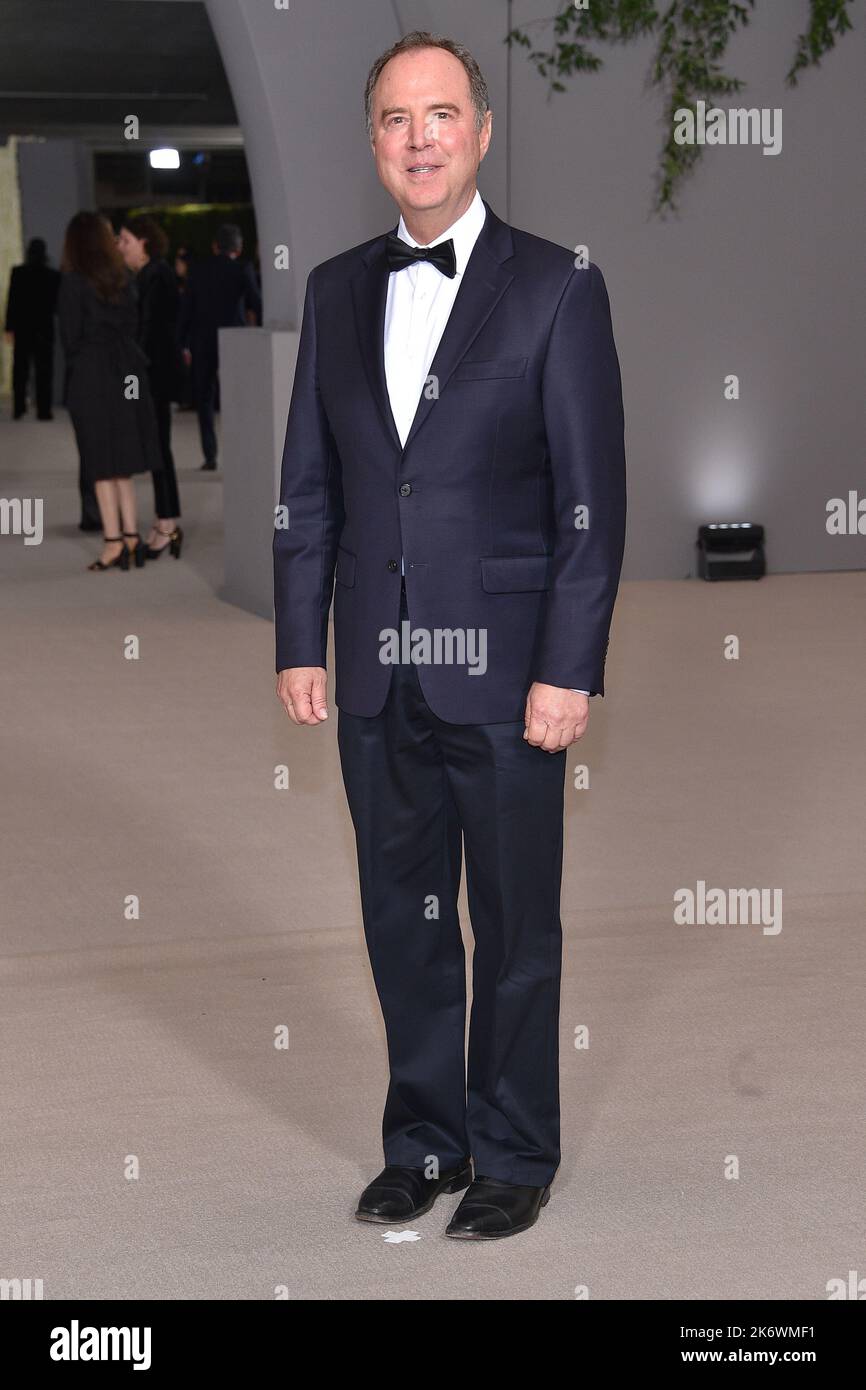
(418, 786)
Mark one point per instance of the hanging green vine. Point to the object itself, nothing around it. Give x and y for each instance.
(688, 65)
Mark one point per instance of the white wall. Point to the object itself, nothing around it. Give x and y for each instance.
(55, 180)
(760, 274)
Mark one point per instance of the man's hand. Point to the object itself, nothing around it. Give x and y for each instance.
(554, 717)
(303, 693)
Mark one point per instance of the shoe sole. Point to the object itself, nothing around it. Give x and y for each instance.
(456, 1185)
(500, 1235)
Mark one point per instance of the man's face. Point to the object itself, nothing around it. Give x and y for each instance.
(425, 143)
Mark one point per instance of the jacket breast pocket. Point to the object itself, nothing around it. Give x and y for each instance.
(499, 368)
(344, 572)
(515, 574)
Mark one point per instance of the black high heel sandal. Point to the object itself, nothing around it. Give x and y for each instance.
(175, 542)
(120, 562)
(139, 552)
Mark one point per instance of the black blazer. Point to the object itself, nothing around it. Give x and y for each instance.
(219, 291)
(158, 305)
(32, 301)
(481, 503)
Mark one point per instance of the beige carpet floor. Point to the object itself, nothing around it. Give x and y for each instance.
(150, 1042)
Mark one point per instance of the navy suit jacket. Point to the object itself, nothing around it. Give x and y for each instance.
(520, 429)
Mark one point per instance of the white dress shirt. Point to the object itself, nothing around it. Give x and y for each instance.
(419, 304)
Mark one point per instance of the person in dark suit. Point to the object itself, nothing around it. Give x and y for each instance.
(457, 419)
(221, 293)
(183, 393)
(107, 389)
(143, 245)
(30, 311)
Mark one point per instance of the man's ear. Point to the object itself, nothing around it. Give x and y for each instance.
(485, 134)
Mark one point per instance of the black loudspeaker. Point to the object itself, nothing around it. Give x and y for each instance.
(731, 550)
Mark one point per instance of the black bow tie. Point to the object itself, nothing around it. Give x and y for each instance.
(401, 254)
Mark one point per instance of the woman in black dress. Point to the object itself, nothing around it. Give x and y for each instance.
(143, 245)
(107, 389)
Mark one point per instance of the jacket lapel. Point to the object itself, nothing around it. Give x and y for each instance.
(370, 295)
(484, 282)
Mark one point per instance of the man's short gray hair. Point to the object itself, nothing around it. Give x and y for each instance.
(420, 38)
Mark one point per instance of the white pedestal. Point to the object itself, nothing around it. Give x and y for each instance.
(257, 367)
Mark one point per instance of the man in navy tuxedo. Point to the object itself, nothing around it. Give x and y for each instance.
(454, 460)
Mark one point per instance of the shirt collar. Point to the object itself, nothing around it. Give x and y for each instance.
(464, 232)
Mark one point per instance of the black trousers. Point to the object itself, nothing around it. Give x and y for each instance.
(417, 785)
(166, 498)
(37, 348)
(205, 393)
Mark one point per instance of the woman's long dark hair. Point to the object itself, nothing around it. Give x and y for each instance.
(90, 249)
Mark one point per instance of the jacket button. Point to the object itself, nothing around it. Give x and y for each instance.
(392, 565)
(405, 489)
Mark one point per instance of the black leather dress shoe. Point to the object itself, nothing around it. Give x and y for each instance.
(492, 1209)
(401, 1194)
